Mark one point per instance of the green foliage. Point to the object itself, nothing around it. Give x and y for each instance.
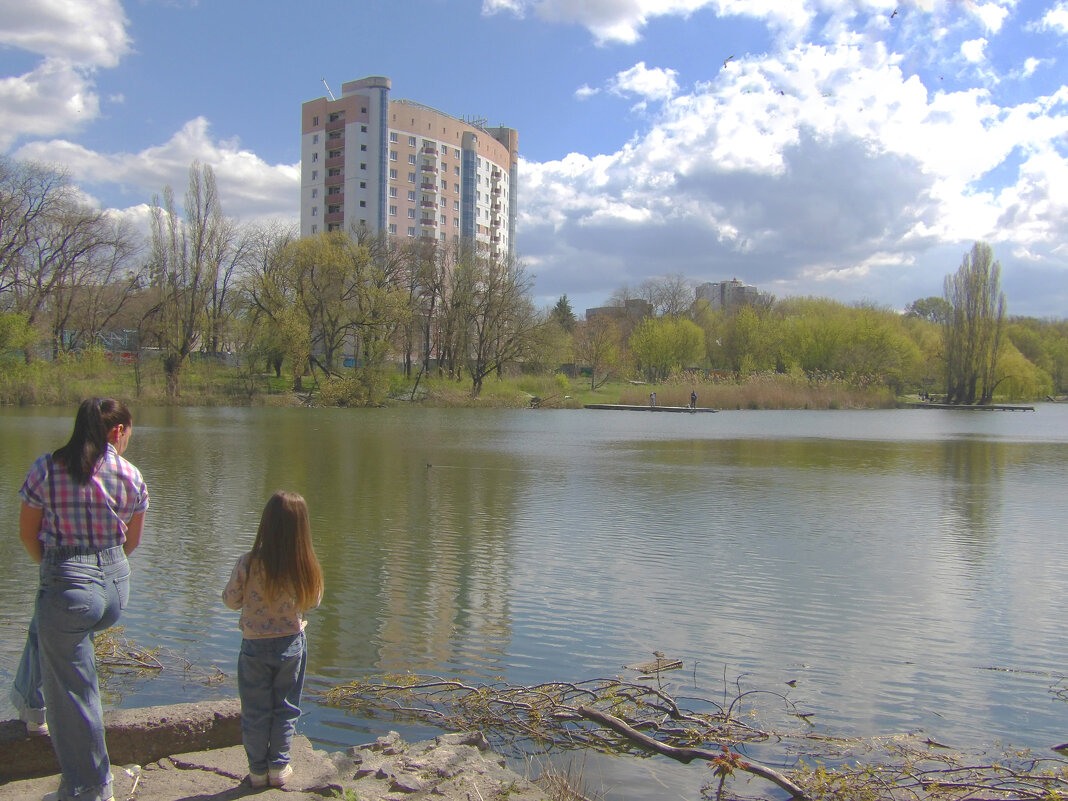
(972, 334)
(664, 344)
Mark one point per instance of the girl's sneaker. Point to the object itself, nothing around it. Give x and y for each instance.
(279, 776)
(257, 780)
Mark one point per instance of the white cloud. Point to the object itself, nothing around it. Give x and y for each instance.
(1056, 18)
(74, 38)
(974, 50)
(819, 165)
(85, 32)
(617, 21)
(585, 92)
(250, 187)
(651, 84)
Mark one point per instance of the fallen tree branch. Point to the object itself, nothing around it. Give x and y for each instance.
(687, 755)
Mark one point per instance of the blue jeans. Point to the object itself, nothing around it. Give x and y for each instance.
(270, 679)
(81, 591)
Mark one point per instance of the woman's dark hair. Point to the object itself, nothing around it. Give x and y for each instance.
(87, 444)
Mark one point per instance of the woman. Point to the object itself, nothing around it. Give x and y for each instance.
(83, 510)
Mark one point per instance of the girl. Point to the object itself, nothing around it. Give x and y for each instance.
(273, 585)
(83, 511)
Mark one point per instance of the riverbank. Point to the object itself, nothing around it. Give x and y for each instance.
(204, 760)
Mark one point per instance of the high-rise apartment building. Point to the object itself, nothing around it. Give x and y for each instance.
(406, 169)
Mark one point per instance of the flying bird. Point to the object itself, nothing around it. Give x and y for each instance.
(728, 58)
(894, 14)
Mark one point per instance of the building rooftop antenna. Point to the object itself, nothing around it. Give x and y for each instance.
(328, 89)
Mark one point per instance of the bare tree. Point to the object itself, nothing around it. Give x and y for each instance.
(187, 259)
(597, 345)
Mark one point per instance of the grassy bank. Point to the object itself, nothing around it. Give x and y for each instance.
(208, 383)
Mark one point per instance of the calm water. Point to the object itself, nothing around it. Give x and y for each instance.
(905, 568)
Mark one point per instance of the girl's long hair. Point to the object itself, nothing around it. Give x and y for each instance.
(283, 549)
(89, 440)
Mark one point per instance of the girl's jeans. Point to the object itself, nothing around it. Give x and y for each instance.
(270, 679)
(82, 591)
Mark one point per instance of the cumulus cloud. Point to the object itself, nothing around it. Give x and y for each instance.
(974, 50)
(73, 39)
(1056, 18)
(805, 171)
(252, 189)
(650, 84)
(609, 21)
(585, 92)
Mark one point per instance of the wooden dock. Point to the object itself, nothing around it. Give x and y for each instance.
(990, 407)
(624, 407)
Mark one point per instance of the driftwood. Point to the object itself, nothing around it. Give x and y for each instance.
(726, 761)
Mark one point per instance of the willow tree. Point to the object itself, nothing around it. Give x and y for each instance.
(971, 334)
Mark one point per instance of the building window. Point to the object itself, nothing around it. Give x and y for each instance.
(456, 170)
(333, 190)
(333, 209)
(411, 141)
(363, 184)
(315, 157)
(393, 191)
(456, 188)
(363, 147)
(411, 214)
(411, 177)
(411, 158)
(442, 219)
(315, 193)
(363, 204)
(444, 202)
(315, 174)
(393, 155)
(315, 120)
(333, 154)
(363, 109)
(315, 229)
(456, 205)
(334, 171)
(315, 139)
(393, 175)
(392, 211)
(455, 222)
(337, 115)
(315, 211)
(393, 228)
(411, 231)
(411, 195)
(363, 165)
(442, 236)
(363, 129)
(392, 136)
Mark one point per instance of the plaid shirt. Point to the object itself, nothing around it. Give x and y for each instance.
(93, 515)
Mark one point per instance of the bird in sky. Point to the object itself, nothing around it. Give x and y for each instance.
(894, 14)
(728, 58)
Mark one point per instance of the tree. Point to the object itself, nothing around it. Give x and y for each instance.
(972, 333)
(187, 258)
(597, 343)
(933, 309)
(563, 315)
(662, 344)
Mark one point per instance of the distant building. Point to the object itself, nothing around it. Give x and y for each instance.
(728, 294)
(404, 168)
(632, 310)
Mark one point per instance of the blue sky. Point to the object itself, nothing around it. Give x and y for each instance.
(847, 149)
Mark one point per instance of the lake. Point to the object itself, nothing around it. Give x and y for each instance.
(903, 568)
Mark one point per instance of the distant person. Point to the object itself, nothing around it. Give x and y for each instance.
(693, 399)
(652, 399)
(83, 511)
(273, 585)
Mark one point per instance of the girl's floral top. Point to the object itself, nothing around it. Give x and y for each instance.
(261, 617)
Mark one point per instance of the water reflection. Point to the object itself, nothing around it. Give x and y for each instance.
(899, 567)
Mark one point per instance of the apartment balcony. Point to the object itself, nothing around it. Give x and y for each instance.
(496, 206)
(428, 204)
(336, 198)
(335, 217)
(495, 238)
(430, 150)
(334, 180)
(495, 221)
(336, 125)
(429, 187)
(429, 169)
(428, 222)
(336, 161)
(496, 190)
